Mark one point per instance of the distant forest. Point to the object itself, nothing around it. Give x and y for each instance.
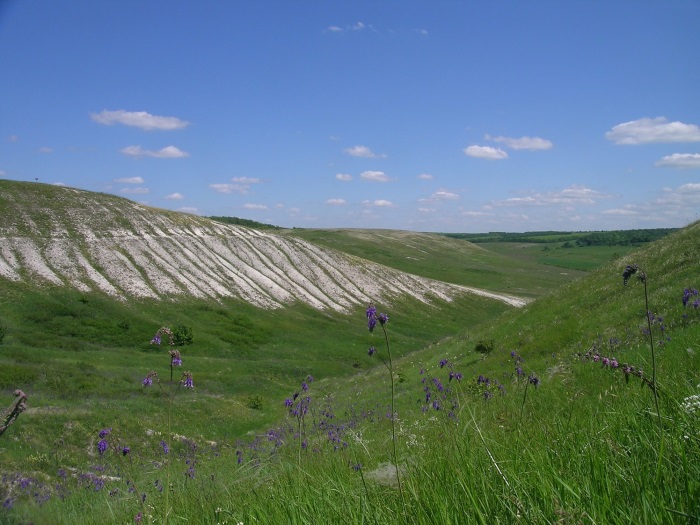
(599, 238)
(245, 222)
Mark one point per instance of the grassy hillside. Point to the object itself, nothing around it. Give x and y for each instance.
(543, 414)
(446, 259)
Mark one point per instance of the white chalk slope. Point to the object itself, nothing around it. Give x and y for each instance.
(98, 242)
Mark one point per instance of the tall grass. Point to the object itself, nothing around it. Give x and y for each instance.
(490, 445)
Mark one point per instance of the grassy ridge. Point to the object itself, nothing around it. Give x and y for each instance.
(446, 259)
(583, 446)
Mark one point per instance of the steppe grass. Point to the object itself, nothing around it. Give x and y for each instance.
(543, 428)
(446, 259)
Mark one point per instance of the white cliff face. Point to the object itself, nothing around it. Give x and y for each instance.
(96, 242)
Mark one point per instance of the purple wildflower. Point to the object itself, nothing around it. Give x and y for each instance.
(105, 432)
(288, 402)
(383, 319)
(371, 317)
(371, 351)
(304, 386)
(187, 383)
(125, 451)
(443, 362)
(102, 446)
(138, 518)
(156, 339)
(534, 380)
(166, 449)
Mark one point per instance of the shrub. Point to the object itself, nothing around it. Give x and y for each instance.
(182, 335)
(485, 347)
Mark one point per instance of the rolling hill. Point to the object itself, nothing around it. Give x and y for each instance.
(97, 242)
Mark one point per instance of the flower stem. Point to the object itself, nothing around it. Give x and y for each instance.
(393, 419)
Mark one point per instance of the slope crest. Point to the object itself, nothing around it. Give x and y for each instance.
(97, 242)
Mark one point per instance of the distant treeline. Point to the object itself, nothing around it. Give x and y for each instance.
(601, 238)
(245, 222)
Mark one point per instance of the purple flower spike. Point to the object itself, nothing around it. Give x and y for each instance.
(102, 446)
(125, 451)
(105, 432)
(187, 383)
(371, 351)
(166, 449)
(383, 319)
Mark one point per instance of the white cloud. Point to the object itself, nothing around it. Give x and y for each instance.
(138, 119)
(357, 26)
(529, 143)
(441, 195)
(364, 152)
(426, 210)
(648, 130)
(379, 203)
(573, 195)
(246, 180)
(375, 176)
(680, 160)
(168, 152)
(485, 152)
(174, 196)
(343, 177)
(679, 204)
(255, 206)
(335, 202)
(130, 180)
(241, 189)
(46, 149)
(425, 176)
(136, 191)
(444, 196)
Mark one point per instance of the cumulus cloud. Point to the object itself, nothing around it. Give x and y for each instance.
(138, 119)
(379, 203)
(680, 160)
(527, 143)
(485, 152)
(648, 130)
(572, 195)
(241, 189)
(679, 204)
(441, 195)
(364, 152)
(250, 206)
(335, 202)
(343, 177)
(168, 152)
(425, 176)
(174, 196)
(357, 26)
(375, 176)
(130, 180)
(136, 191)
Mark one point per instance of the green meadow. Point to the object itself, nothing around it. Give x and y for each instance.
(543, 414)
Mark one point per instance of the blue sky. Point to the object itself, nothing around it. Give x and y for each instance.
(447, 115)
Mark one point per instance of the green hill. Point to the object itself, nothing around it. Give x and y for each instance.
(540, 414)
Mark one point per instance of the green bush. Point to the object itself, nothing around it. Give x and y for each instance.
(182, 335)
(485, 347)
